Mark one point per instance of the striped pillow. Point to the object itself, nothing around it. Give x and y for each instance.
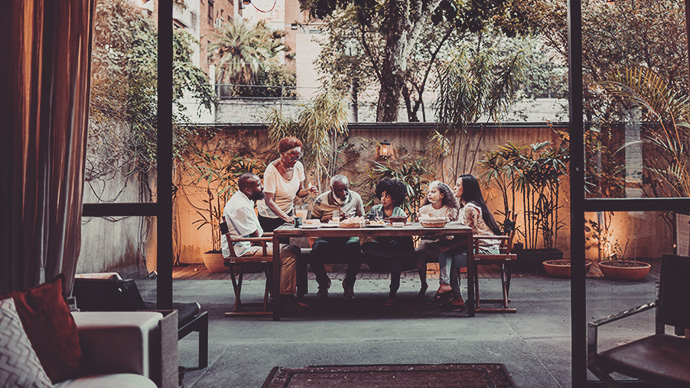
(19, 365)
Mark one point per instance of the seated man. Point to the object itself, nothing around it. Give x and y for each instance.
(348, 204)
(243, 222)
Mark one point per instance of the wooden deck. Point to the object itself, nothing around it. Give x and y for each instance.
(199, 271)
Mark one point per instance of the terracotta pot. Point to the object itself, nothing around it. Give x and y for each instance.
(214, 262)
(625, 269)
(561, 268)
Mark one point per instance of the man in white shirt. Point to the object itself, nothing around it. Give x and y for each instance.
(242, 221)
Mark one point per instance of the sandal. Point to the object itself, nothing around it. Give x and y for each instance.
(441, 296)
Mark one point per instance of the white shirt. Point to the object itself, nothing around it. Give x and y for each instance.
(284, 191)
(242, 221)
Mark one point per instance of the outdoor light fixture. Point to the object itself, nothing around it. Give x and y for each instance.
(384, 151)
(293, 26)
(246, 2)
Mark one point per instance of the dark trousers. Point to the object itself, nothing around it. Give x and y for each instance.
(270, 224)
(326, 248)
(394, 250)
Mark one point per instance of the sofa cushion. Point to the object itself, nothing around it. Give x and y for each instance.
(115, 380)
(51, 329)
(19, 365)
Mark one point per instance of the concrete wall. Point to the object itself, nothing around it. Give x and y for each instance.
(646, 234)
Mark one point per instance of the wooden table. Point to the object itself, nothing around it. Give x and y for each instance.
(411, 229)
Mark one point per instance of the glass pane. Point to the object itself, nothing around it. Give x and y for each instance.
(620, 244)
(125, 245)
(636, 88)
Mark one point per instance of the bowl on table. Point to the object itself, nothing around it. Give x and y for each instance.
(433, 222)
(398, 219)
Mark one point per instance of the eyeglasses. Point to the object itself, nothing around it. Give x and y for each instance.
(293, 158)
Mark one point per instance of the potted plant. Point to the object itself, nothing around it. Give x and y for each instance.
(532, 175)
(219, 176)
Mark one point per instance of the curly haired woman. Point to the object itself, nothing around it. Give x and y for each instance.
(392, 194)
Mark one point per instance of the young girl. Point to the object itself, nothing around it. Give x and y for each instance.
(475, 214)
(439, 202)
(392, 194)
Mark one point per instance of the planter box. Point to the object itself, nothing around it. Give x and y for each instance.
(625, 269)
(531, 260)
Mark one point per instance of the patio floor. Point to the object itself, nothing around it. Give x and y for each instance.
(534, 343)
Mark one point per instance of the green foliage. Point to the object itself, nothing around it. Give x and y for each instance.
(405, 33)
(123, 105)
(219, 176)
(616, 35)
(247, 56)
(472, 84)
(415, 173)
(532, 172)
(669, 135)
(318, 127)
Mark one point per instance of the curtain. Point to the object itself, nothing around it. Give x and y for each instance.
(45, 51)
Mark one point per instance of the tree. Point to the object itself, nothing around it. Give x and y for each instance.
(123, 111)
(318, 127)
(620, 34)
(401, 26)
(247, 55)
(476, 82)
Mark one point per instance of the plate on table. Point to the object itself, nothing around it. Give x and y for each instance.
(330, 225)
(309, 226)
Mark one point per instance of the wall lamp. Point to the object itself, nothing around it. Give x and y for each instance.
(384, 150)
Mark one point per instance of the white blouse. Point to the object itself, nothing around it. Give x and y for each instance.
(284, 191)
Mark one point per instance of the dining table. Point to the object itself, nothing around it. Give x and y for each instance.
(454, 229)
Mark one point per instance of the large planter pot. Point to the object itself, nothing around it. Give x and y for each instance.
(625, 269)
(532, 259)
(213, 261)
(561, 268)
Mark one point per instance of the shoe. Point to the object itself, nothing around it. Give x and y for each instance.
(455, 304)
(348, 292)
(441, 296)
(389, 302)
(291, 302)
(323, 291)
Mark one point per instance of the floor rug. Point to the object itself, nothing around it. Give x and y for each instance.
(396, 376)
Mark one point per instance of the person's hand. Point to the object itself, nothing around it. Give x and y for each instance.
(312, 190)
(289, 220)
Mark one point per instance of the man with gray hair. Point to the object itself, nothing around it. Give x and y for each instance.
(348, 204)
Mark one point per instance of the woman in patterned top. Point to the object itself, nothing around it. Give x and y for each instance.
(475, 214)
(392, 193)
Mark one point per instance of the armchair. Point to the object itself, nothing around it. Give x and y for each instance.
(660, 359)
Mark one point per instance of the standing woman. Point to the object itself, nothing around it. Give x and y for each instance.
(283, 180)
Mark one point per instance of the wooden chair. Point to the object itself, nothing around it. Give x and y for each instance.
(659, 359)
(237, 265)
(505, 259)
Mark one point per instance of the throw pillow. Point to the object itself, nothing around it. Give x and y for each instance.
(19, 365)
(51, 329)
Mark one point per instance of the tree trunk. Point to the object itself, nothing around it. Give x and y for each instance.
(394, 69)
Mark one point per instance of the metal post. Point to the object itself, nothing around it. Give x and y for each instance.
(164, 156)
(577, 195)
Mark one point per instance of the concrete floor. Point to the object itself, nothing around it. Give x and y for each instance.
(534, 343)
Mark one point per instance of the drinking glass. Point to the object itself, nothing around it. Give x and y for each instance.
(336, 216)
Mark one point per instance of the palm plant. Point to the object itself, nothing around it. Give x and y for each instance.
(219, 175)
(472, 84)
(241, 52)
(670, 136)
(318, 126)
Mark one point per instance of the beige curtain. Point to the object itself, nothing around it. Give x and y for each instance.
(45, 54)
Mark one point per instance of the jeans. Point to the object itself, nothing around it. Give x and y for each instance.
(448, 264)
(326, 248)
(393, 249)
